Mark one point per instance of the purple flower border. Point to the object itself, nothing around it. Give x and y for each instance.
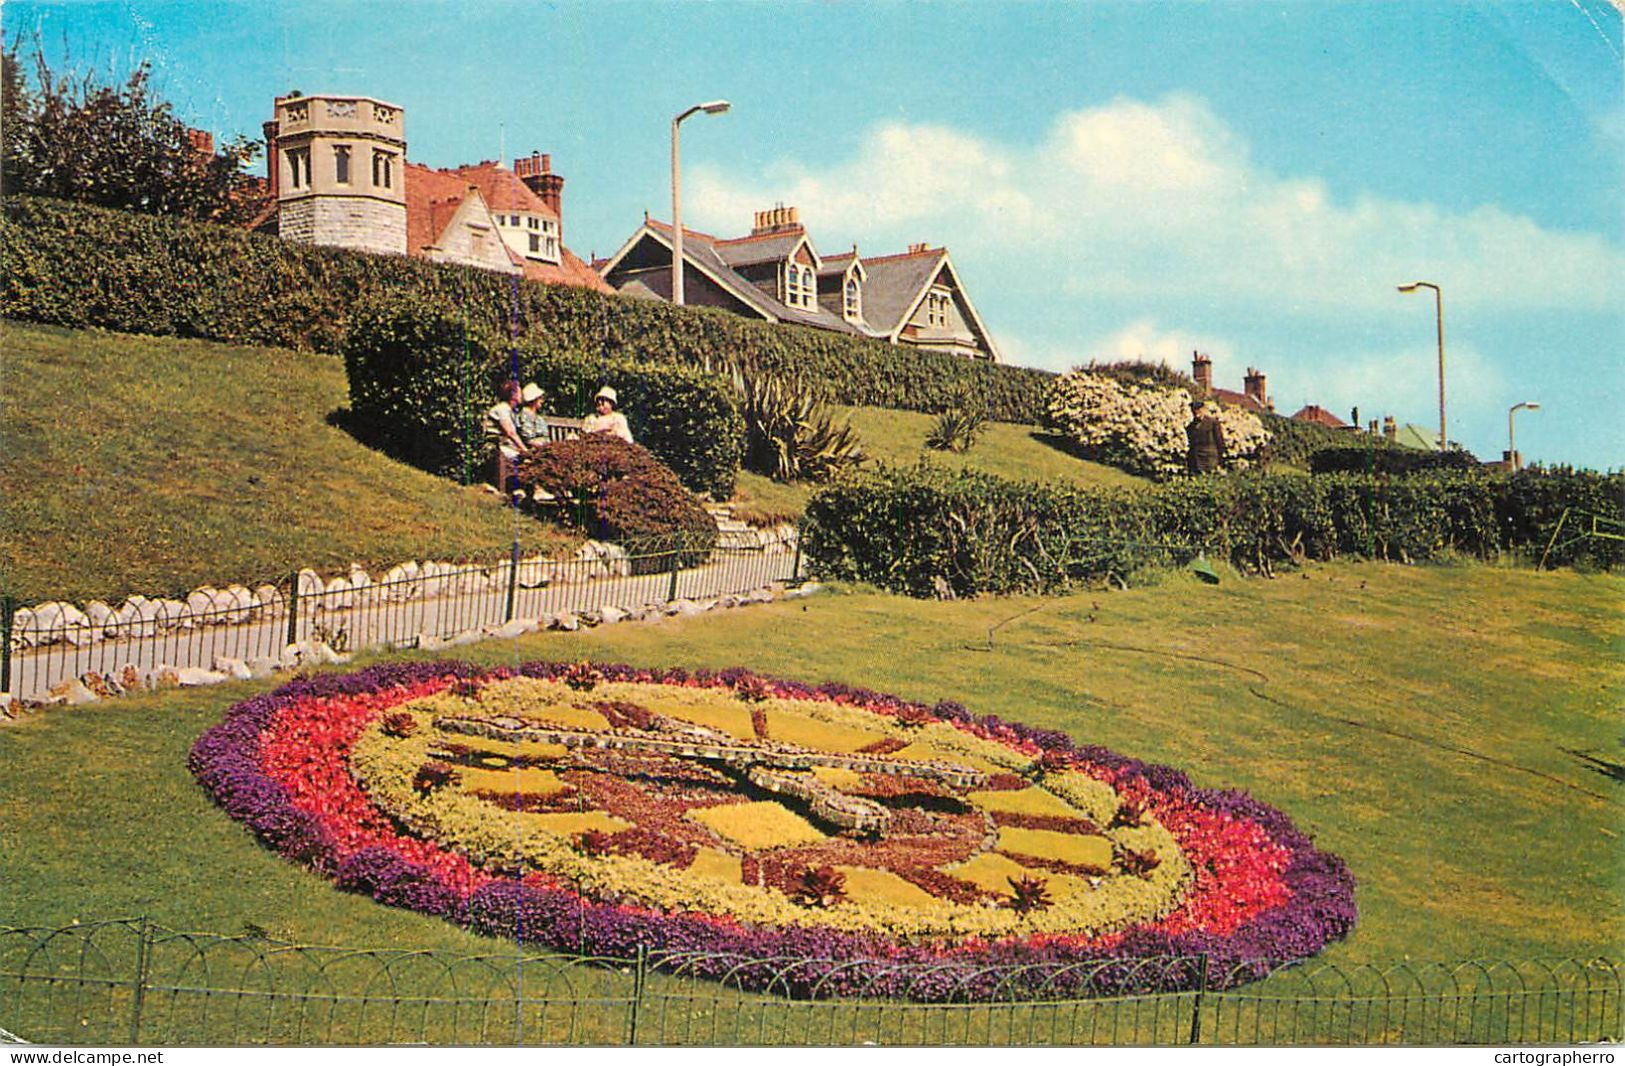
(795, 961)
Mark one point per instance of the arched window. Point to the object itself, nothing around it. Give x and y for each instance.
(854, 299)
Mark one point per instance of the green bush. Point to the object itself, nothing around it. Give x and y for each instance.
(957, 426)
(421, 378)
(790, 432)
(1369, 457)
(916, 529)
(73, 265)
(619, 492)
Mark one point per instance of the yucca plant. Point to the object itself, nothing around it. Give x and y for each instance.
(958, 425)
(790, 432)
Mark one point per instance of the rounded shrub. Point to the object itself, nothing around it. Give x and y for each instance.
(619, 492)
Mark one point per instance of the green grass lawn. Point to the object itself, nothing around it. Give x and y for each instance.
(1021, 453)
(153, 465)
(1446, 730)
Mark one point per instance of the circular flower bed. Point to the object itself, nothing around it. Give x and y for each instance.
(719, 818)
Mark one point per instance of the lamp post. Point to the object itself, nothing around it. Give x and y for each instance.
(1512, 448)
(715, 107)
(1438, 310)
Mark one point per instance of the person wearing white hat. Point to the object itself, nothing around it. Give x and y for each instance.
(529, 420)
(605, 419)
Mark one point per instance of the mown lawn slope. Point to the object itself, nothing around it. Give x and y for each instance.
(153, 465)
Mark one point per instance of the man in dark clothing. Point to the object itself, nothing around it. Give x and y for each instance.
(1206, 440)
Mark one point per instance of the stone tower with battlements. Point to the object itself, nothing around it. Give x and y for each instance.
(337, 167)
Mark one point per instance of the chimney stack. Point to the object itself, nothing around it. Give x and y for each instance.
(1253, 384)
(273, 160)
(1202, 371)
(778, 219)
(1354, 418)
(537, 174)
(1390, 429)
(916, 249)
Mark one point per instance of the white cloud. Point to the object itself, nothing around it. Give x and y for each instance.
(1159, 202)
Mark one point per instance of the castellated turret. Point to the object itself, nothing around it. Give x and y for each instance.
(337, 166)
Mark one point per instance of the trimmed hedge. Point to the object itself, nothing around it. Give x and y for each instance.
(915, 529)
(421, 380)
(1389, 459)
(78, 266)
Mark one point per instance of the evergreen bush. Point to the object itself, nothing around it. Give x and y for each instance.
(916, 530)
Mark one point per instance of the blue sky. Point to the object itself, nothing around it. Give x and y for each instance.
(1112, 179)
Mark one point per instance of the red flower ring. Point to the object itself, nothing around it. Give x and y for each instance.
(1257, 893)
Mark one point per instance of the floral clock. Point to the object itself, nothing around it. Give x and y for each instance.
(603, 809)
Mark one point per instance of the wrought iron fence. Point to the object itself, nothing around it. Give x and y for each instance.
(40, 649)
(134, 982)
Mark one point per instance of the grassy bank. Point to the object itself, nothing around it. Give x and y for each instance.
(1448, 731)
(1018, 452)
(153, 465)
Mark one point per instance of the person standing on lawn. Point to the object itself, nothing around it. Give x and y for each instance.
(1205, 438)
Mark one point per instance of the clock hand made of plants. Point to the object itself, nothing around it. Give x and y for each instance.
(603, 808)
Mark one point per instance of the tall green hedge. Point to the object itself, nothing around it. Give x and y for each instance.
(421, 378)
(72, 265)
(913, 529)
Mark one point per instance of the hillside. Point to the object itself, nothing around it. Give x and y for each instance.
(1022, 453)
(151, 464)
(144, 464)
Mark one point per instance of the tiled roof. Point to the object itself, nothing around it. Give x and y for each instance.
(502, 189)
(894, 285)
(835, 264)
(701, 249)
(571, 270)
(1320, 417)
(1239, 399)
(432, 197)
(757, 248)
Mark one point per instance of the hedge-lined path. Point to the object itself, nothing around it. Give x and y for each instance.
(425, 611)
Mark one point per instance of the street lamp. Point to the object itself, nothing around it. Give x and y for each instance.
(715, 107)
(1512, 448)
(1438, 310)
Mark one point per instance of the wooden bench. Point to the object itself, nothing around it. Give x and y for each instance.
(562, 428)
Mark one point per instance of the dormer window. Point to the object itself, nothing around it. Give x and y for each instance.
(853, 305)
(799, 286)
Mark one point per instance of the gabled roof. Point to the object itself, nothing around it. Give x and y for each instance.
(833, 265)
(761, 247)
(502, 189)
(1411, 435)
(702, 251)
(896, 285)
(434, 196)
(1320, 417)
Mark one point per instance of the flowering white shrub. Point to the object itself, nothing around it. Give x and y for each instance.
(1141, 427)
(1244, 434)
(1138, 427)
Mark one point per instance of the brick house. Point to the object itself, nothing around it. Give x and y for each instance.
(338, 175)
(775, 273)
